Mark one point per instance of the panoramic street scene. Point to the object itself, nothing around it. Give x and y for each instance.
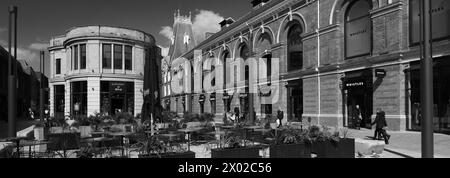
(361, 79)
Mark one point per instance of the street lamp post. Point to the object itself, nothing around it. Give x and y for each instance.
(41, 90)
(427, 84)
(12, 71)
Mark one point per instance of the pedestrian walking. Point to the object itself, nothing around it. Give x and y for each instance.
(280, 115)
(381, 126)
(30, 111)
(357, 117)
(236, 113)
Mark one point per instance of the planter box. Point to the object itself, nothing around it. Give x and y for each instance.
(302, 150)
(250, 152)
(188, 154)
(345, 148)
(85, 131)
(40, 133)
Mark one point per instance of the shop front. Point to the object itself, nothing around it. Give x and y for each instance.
(117, 97)
(358, 98)
(441, 93)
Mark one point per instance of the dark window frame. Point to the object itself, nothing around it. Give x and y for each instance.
(346, 21)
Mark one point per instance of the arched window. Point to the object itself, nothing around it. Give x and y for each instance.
(244, 54)
(225, 56)
(295, 46)
(358, 28)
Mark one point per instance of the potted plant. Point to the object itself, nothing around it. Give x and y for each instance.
(152, 147)
(233, 146)
(57, 124)
(330, 145)
(291, 143)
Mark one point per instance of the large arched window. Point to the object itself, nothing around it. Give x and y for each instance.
(225, 56)
(358, 28)
(244, 54)
(295, 46)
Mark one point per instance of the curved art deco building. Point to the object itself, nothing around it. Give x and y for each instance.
(98, 69)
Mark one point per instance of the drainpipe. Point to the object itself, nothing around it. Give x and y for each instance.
(318, 60)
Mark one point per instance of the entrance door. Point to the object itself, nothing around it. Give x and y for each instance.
(358, 86)
(118, 104)
(359, 101)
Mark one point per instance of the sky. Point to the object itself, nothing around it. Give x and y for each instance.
(40, 20)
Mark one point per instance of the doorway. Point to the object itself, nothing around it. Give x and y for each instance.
(295, 98)
(359, 98)
(117, 104)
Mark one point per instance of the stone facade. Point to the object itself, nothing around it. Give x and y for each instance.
(93, 37)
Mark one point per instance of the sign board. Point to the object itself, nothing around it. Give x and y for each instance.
(380, 73)
(117, 87)
(355, 84)
(440, 15)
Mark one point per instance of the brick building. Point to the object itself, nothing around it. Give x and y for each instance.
(333, 55)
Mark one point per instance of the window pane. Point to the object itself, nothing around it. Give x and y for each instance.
(295, 48)
(128, 58)
(106, 56)
(117, 57)
(358, 10)
(83, 56)
(75, 61)
(58, 66)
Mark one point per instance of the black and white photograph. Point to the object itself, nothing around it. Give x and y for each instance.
(224, 79)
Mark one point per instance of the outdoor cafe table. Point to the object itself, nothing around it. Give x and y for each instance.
(188, 132)
(122, 135)
(16, 141)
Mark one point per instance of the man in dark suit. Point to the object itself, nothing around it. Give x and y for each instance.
(381, 123)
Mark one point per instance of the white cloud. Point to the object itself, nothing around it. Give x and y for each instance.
(39, 46)
(205, 21)
(167, 32)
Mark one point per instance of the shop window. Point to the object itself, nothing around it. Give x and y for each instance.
(79, 98)
(128, 58)
(358, 29)
(295, 46)
(58, 66)
(118, 57)
(83, 56)
(75, 57)
(59, 98)
(106, 59)
(440, 13)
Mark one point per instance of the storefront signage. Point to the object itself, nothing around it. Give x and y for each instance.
(440, 15)
(117, 87)
(355, 84)
(380, 73)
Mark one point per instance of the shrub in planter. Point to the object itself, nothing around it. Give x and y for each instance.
(329, 145)
(154, 148)
(233, 148)
(291, 143)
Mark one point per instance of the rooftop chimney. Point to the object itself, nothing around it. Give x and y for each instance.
(258, 3)
(227, 22)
